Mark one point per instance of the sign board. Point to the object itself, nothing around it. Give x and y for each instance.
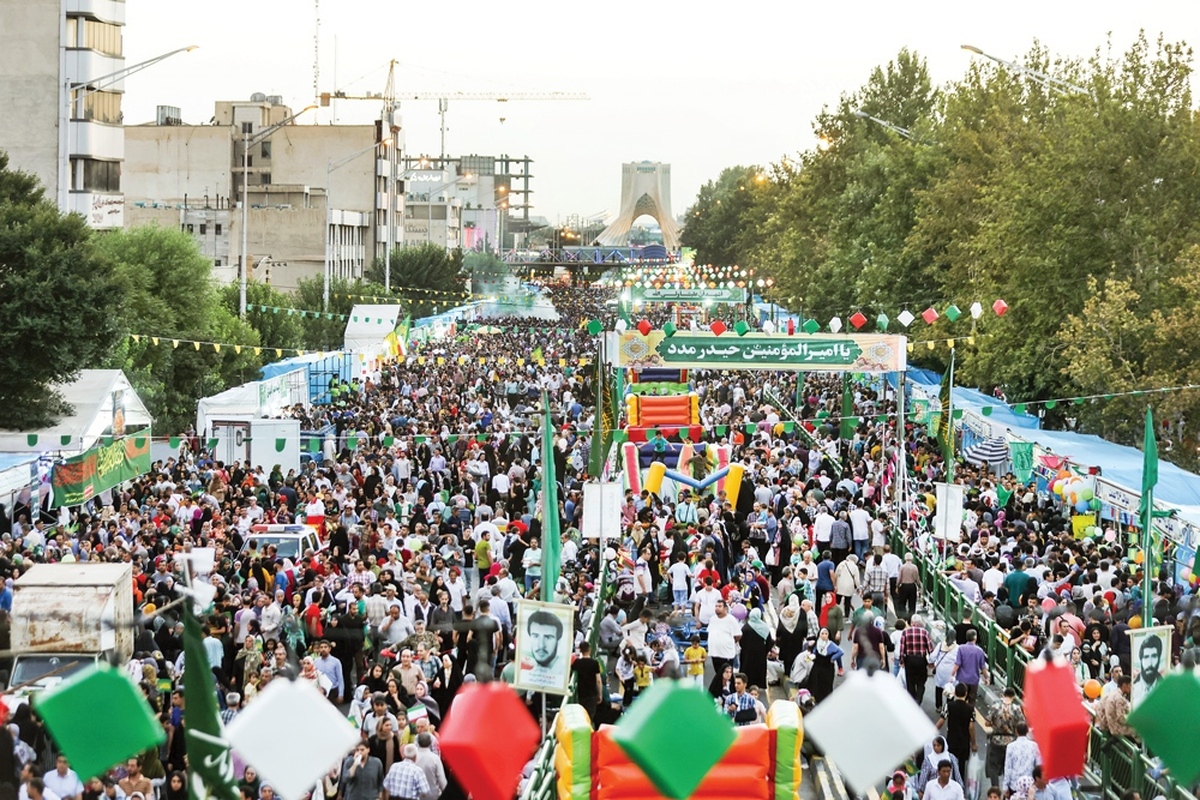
(602, 510)
(81, 478)
(545, 638)
(949, 520)
(669, 294)
(872, 353)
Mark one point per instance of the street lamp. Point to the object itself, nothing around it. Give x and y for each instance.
(1049, 81)
(905, 132)
(247, 142)
(74, 94)
(330, 166)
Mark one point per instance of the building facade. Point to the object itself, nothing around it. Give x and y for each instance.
(193, 176)
(62, 121)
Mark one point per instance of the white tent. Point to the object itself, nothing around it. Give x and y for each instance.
(254, 400)
(369, 326)
(99, 397)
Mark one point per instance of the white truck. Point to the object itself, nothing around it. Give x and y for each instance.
(66, 617)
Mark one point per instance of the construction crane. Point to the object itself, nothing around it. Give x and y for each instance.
(390, 96)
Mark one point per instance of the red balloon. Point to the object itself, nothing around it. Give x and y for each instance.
(488, 766)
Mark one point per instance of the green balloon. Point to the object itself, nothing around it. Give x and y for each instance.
(1094, 504)
(1086, 493)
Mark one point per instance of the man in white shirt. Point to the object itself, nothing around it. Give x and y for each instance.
(724, 632)
(945, 787)
(705, 601)
(63, 781)
(681, 581)
(823, 528)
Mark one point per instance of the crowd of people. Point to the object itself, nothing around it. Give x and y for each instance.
(428, 511)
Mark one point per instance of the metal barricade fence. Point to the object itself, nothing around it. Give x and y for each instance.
(1116, 763)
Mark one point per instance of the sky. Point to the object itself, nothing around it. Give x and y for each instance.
(698, 87)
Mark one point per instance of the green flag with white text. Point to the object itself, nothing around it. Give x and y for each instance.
(210, 764)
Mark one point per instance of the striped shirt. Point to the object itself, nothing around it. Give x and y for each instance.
(406, 780)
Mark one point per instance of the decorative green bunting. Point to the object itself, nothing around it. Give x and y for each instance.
(811, 326)
(212, 443)
(174, 442)
(32, 439)
(280, 444)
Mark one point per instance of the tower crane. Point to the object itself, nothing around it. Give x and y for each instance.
(390, 97)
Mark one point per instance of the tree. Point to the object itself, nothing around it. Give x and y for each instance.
(58, 298)
(714, 222)
(278, 326)
(326, 330)
(426, 275)
(171, 302)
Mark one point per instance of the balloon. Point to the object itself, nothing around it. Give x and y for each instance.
(1063, 475)
(1187, 575)
(1092, 688)
(1081, 507)
(1048, 604)
(1091, 530)
(1139, 557)
(1071, 497)
(1135, 621)
(1057, 487)
(1094, 504)
(1110, 535)
(1086, 493)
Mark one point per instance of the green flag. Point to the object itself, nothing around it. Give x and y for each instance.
(945, 431)
(209, 759)
(1002, 496)
(1022, 460)
(551, 538)
(849, 422)
(1149, 479)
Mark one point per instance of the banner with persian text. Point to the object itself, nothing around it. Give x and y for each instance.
(873, 353)
(669, 294)
(81, 478)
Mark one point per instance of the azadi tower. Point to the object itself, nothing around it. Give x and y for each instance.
(645, 189)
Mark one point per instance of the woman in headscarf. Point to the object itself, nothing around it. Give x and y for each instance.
(722, 686)
(827, 663)
(791, 631)
(175, 787)
(935, 752)
(756, 643)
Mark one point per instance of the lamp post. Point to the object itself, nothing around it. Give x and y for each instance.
(81, 89)
(247, 141)
(330, 166)
(905, 132)
(1049, 81)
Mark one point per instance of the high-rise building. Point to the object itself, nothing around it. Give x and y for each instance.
(61, 62)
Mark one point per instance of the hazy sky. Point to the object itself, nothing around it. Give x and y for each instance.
(697, 86)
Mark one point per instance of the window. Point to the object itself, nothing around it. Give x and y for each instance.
(217, 230)
(264, 150)
(247, 128)
(265, 179)
(98, 107)
(191, 228)
(249, 160)
(90, 34)
(98, 176)
(217, 263)
(203, 229)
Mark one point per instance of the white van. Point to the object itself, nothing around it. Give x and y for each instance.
(291, 541)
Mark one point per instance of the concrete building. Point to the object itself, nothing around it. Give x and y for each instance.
(474, 202)
(192, 176)
(62, 112)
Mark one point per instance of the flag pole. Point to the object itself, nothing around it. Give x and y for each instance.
(1149, 479)
(949, 452)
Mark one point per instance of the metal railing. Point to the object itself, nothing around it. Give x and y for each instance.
(1115, 763)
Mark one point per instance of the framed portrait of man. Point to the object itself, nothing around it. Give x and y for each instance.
(545, 635)
(1150, 656)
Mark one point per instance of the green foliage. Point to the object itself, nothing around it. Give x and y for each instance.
(487, 271)
(424, 266)
(327, 331)
(1075, 205)
(276, 329)
(169, 295)
(58, 298)
(715, 220)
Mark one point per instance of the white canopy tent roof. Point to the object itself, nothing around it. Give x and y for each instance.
(369, 326)
(93, 395)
